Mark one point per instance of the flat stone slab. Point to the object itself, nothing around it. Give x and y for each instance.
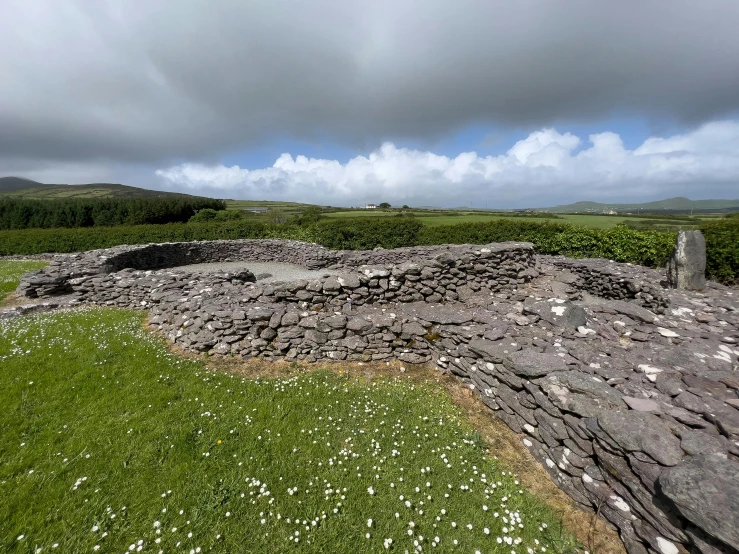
(493, 351)
(630, 309)
(639, 432)
(530, 363)
(641, 404)
(705, 490)
(580, 393)
(558, 312)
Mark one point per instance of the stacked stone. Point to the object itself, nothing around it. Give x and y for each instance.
(437, 278)
(430, 272)
(648, 437)
(611, 280)
(280, 331)
(63, 268)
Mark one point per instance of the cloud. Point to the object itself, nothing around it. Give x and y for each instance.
(542, 169)
(116, 81)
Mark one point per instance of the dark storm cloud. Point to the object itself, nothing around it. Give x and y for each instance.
(152, 81)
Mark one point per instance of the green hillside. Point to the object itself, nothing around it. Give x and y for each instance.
(16, 187)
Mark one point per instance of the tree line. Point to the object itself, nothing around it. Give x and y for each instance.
(100, 212)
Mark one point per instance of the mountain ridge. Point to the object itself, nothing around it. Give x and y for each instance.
(676, 204)
(20, 188)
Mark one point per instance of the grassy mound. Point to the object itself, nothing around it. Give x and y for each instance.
(109, 442)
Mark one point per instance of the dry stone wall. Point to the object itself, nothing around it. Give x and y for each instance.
(406, 274)
(608, 280)
(627, 393)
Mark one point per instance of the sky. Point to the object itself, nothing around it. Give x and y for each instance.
(479, 103)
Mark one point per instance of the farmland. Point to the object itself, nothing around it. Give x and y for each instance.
(591, 221)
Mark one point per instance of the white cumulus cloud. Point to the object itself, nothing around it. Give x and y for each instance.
(544, 168)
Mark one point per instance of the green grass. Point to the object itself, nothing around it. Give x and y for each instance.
(108, 439)
(11, 271)
(287, 207)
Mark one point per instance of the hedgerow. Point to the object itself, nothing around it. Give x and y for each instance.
(366, 233)
(722, 247)
(38, 241)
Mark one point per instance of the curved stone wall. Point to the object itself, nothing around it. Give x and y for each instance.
(436, 271)
(632, 411)
(608, 280)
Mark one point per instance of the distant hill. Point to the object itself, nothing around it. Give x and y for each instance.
(670, 205)
(17, 187)
(11, 184)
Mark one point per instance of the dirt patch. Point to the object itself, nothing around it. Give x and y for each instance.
(12, 300)
(594, 533)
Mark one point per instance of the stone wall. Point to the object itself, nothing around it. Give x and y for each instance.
(614, 440)
(609, 280)
(633, 413)
(441, 267)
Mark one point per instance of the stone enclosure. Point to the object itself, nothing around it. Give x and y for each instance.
(626, 392)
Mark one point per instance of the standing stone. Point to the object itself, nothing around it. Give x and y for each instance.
(687, 266)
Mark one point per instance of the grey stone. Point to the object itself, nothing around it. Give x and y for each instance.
(349, 281)
(259, 313)
(413, 328)
(705, 490)
(358, 324)
(641, 404)
(640, 432)
(697, 442)
(222, 348)
(412, 358)
(721, 414)
(438, 313)
(315, 336)
(496, 333)
(530, 363)
(492, 351)
(582, 394)
(561, 313)
(336, 321)
(331, 284)
(630, 309)
(686, 268)
(290, 318)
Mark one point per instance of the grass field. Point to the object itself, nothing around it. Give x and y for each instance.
(108, 441)
(287, 207)
(451, 217)
(11, 271)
